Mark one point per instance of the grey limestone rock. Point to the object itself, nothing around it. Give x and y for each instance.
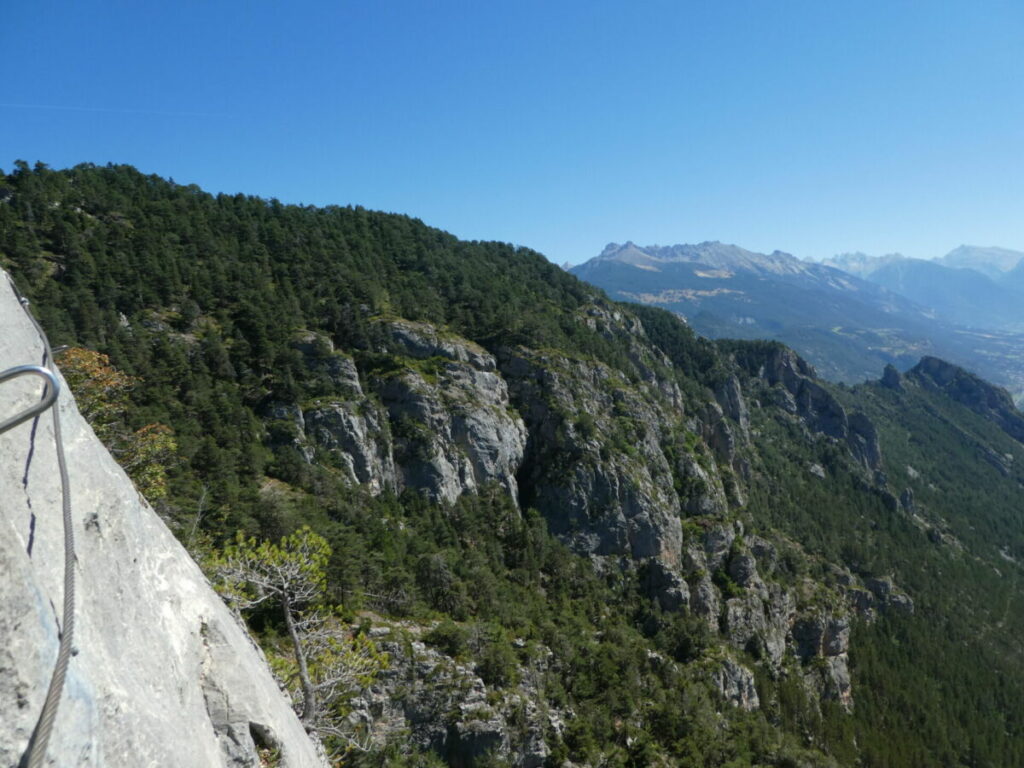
(901, 603)
(744, 621)
(879, 594)
(422, 340)
(743, 570)
(666, 586)
(735, 684)
(162, 673)
(320, 356)
(907, 501)
(729, 395)
(703, 492)
(780, 611)
(765, 552)
(829, 679)
(445, 707)
(862, 440)
(356, 433)
(837, 684)
(352, 427)
(456, 432)
(717, 541)
(293, 433)
(605, 502)
(821, 634)
(705, 601)
(797, 390)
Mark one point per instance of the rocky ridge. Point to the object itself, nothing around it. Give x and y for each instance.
(988, 400)
(616, 466)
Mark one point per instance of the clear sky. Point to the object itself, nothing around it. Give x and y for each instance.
(812, 127)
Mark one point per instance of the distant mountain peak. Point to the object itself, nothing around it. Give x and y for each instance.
(709, 253)
(992, 261)
(861, 264)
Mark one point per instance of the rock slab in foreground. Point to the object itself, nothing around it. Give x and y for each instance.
(162, 673)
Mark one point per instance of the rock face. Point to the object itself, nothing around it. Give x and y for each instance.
(992, 402)
(603, 502)
(735, 684)
(799, 393)
(615, 465)
(775, 623)
(444, 706)
(453, 425)
(162, 673)
(439, 421)
(356, 433)
(891, 378)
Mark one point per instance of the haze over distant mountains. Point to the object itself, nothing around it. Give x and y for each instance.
(970, 286)
(992, 262)
(849, 315)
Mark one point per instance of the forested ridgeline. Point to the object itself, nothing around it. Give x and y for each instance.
(636, 546)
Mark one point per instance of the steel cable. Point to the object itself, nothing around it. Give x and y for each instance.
(35, 753)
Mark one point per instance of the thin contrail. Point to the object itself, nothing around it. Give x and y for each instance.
(105, 109)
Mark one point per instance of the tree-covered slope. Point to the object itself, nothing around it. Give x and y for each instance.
(580, 532)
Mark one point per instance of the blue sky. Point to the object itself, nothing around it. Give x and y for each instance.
(811, 127)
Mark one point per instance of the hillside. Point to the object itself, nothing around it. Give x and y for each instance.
(848, 327)
(582, 533)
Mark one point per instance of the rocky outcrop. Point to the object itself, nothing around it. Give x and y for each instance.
(423, 341)
(891, 378)
(161, 671)
(700, 487)
(613, 465)
(437, 421)
(735, 684)
(862, 440)
(731, 587)
(348, 427)
(822, 642)
(649, 362)
(445, 707)
(594, 464)
(988, 400)
(355, 431)
(880, 594)
(321, 358)
(452, 423)
(797, 391)
(666, 585)
(729, 396)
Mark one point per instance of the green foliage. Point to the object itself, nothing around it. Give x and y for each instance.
(199, 301)
(724, 582)
(449, 638)
(102, 394)
(325, 663)
(253, 571)
(198, 297)
(497, 664)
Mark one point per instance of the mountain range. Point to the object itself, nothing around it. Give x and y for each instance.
(848, 315)
(971, 287)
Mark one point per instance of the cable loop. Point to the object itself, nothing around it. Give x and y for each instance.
(49, 394)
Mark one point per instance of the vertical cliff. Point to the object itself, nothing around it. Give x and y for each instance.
(161, 673)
